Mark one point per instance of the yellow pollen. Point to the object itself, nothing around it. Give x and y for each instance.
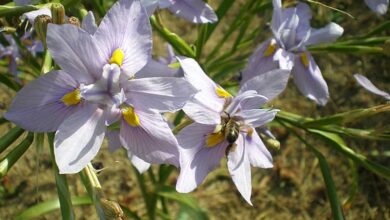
(250, 132)
(222, 93)
(72, 98)
(214, 139)
(117, 57)
(305, 59)
(270, 50)
(130, 116)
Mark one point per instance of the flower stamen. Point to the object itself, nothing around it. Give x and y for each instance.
(117, 57)
(304, 59)
(131, 116)
(72, 98)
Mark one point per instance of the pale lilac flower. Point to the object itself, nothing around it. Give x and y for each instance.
(96, 87)
(196, 11)
(367, 84)
(287, 50)
(216, 115)
(378, 6)
(11, 51)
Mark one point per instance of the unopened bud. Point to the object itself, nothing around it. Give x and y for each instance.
(112, 210)
(58, 13)
(74, 21)
(8, 30)
(270, 142)
(40, 25)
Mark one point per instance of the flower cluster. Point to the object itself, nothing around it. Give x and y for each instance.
(109, 86)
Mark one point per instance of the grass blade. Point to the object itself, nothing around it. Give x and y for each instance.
(7, 139)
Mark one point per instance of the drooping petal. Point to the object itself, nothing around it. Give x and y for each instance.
(196, 11)
(257, 153)
(164, 94)
(79, 139)
(206, 106)
(152, 141)
(126, 26)
(114, 143)
(156, 69)
(269, 84)
(33, 14)
(240, 169)
(257, 117)
(378, 6)
(89, 23)
(139, 164)
(327, 34)
(367, 84)
(196, 160)
(38, 107)
(308, 78)
(75, 51)
(261, 61)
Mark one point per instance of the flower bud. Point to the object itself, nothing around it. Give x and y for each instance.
(58, 13)
(270, 142)
(74, 21)
(40, 25)
(112, 210)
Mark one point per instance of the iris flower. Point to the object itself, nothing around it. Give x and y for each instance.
(225, 125)
(378, 6)
(97, 87)
(196, 11)
(287, 50)
(367, 84)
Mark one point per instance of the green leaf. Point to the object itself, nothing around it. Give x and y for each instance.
(10, 83)
(9, 160)
(380, 28)
(49, 206)
(188, 203)
(340, 48)
(130, 213)
(339, 145)
(349, 116)
(62, 186)
(221, 11)
(335, 205)
(6, 10)
(7, 139)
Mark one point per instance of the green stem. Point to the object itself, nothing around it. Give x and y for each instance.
(94, 189)
(47, 62)
(149, 199)
(62, 186)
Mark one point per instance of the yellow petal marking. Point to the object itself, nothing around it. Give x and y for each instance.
(270, 50)
(72, 98)
(305, 59)
(214, 139)
(222, 93)
(130, 116)
(117, 57)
